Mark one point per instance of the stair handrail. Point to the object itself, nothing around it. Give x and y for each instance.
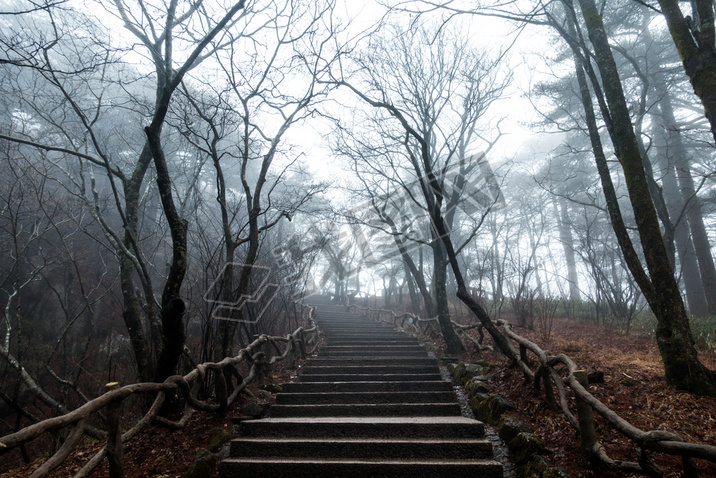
(544, 374)
(188, 385)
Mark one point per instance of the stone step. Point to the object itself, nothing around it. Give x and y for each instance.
(371, 349)
(369, 369)
(443, 427)
(357, 468)
(366, 377)
(328, 348)
(361, 341)
(340, 387)
(361, 447)
(343, 318)
(347, 354)
(363, 331)
(377, 353)
(358, 331)
(367, 410)
(370, 361)
(354, 398)
(370, 336)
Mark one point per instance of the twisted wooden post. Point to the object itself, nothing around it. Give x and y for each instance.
(302, 344)
(290, 354)
(585, 416)
(115, 454)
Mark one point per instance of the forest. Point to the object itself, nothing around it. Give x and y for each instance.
(176, 176)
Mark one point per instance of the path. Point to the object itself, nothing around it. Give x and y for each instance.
(372, 404)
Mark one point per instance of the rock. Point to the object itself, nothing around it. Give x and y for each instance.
(217, 437)
(482, 387)
(474, 386)
(473, 368)
(272, 388)
(253, 409)
(492, 409)
(458, 372)
(470, 370)
(461, 373)
(202, 467)
(482, 396)
(479, 397)
(483, 363)
(524, 447)
(511, 427)
(225, 452)
(264, 394)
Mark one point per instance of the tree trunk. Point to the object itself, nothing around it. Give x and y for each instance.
(682, 368)
(675, 157)
(414, 298)
(172, 313)
(694, 40)
(679, 159)
(453, 342)
(565, 236)
(695, 296)
(430, 309)
(140, 327)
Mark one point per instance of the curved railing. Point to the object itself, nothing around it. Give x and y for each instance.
(188, 385)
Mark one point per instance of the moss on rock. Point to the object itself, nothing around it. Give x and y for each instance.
(524, 447)
(511, 427)
(217, 438)
(203, 465)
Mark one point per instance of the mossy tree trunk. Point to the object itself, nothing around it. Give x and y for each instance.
(158, 345)
(694, 39)
(683, 369)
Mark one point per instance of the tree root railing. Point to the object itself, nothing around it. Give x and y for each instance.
(544, 374)
(188, 385)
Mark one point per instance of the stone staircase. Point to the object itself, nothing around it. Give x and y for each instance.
(373, 404)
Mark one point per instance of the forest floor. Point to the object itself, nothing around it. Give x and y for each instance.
(158, 451)
(633, 387)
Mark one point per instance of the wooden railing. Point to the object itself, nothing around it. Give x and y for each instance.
(559, 371)
(188, 385)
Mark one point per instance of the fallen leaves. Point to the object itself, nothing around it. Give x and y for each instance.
(634, 387)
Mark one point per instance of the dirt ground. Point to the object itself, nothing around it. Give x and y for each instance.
(634, 387)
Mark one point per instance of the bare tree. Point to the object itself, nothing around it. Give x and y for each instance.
(436, 90)
(176, 41)
(242, 125)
